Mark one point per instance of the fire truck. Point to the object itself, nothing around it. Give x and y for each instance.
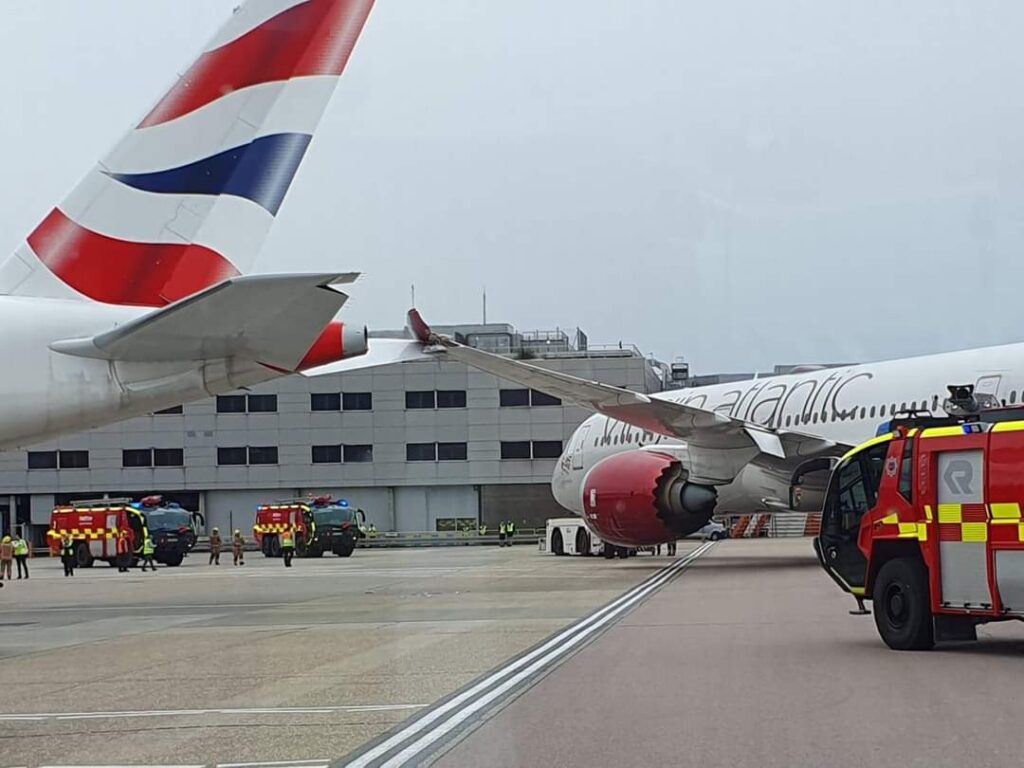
(95, 524)
(173, 528)
(925, 521)
(320, 523)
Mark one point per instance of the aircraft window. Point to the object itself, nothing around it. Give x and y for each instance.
(814, 418)
(935, 402)
(1013, 396)
(892, 409)
(872, 412)
(787, 421)
(903, 406)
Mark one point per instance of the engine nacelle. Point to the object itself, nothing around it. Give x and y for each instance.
(640, 497)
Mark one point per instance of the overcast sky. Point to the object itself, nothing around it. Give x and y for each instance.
(740, 182)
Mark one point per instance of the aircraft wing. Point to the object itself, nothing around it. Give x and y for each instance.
(271, 319)
(718, 446)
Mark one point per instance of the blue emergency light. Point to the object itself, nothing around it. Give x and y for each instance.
(342, 502)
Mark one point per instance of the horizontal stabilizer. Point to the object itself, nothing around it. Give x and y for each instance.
(270, 319)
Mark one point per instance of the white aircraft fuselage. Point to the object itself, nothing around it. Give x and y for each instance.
(844, 405)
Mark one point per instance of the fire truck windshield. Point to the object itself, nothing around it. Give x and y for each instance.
(332, 515)
(164, 519)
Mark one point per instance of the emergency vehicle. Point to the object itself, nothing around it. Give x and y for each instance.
(320, 523)
(94, 527)
(173, 528)
(925, 521)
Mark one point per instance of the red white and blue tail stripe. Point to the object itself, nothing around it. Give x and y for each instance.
(187, 198)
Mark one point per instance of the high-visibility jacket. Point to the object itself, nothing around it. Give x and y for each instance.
(67, 547)
(483, 530)
(511, 528)
(288, 540)
(20, 547)
(147, 546)
(502, 528)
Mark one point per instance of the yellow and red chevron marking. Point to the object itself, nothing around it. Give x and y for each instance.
(274, 527)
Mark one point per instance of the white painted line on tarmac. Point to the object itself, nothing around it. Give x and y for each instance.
(278, 764)
(469, 701)
(37, 716)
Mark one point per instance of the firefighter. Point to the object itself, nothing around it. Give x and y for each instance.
(287, 546)
(215, 544)
(67, 554)
(6, 557)
(237, 547)
(510, 531)
(124, 552)
(21, 555)
(502, 533)
(147, 553)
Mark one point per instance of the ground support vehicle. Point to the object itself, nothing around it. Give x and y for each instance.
(925, 521)
(570, 536)
(320, 524)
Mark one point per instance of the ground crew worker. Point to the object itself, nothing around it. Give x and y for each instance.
(67, 554)
(237, 544)
(502, 533)
(372, 531)
(510, 531)
(6, 557)
(483, 530)
(287, 546)
(215, 544)
(147, 553)
(21, 555)
(672, 548)
(124, 552)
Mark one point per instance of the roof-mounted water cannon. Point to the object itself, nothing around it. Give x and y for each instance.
(964, 403)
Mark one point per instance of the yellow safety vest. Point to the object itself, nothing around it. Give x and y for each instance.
(20, 547)
(288, 540)
(147, 546)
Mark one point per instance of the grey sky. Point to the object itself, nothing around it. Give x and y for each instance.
(738, 182)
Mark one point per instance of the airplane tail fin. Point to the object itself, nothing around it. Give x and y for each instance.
(187, 197)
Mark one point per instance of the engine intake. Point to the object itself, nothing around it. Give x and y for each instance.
(640, 497)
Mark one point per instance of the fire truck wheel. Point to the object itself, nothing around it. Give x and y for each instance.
(557, 545)
(83, 557)
(271, 546)
(346, 548)
(902, 606)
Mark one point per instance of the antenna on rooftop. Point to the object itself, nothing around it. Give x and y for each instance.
(485, 305)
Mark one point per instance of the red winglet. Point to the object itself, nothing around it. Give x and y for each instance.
(419, 328)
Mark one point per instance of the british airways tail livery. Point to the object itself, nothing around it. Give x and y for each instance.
(187, 197)
(131, 295)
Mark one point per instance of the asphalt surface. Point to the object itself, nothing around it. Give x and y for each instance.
(201, 665)
(750, 659)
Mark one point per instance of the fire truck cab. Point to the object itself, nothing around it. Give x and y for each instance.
(320, 524)
(925, 521)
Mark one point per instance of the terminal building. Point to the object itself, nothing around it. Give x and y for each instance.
(419, 446)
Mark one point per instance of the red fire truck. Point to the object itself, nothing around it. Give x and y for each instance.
(320, 523)
(925, 521)
(94, 526)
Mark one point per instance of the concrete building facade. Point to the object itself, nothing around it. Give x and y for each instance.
(419, 446)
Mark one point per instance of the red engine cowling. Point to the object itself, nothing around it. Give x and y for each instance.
(638, 498)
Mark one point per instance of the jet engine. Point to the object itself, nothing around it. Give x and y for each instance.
(642, 497)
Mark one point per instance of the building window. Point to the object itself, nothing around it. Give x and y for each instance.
(42, 459)
(542, 398)
(326, 454)
(263, 454)
(421, 452)
(357, 401)
(74, 459)
(516, 449)
(419, 399)
(325, 401)
(168, 457)
(262, 403)
(170, 411)
(510, 398)
(358, 454)
(230, 456)
(547, 449)
(230, 403)
(451, 451)
(137, 457)
(451, 398)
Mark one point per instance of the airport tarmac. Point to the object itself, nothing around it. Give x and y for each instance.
(202, 665)
(740, 653)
